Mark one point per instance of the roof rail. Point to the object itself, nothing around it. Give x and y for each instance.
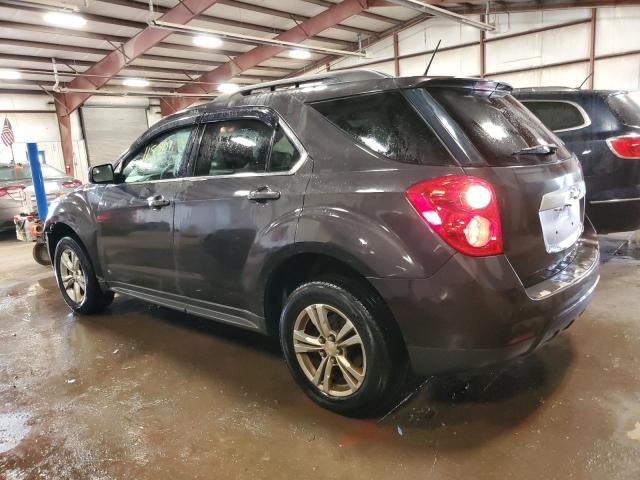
(313, 80)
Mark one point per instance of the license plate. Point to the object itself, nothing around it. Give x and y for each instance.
(561, 217)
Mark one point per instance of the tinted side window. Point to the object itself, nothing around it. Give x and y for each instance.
(387, 124)
(557, 115)
(284, 154)
(159, 159)
(234, 147)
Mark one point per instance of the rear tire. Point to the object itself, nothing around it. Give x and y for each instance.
(76, 279)
(366, 369)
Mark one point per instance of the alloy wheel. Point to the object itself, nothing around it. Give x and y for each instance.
(329, 350)
(72, 276)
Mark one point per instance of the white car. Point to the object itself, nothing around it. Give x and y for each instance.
(16, 182)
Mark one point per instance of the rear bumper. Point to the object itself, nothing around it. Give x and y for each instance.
(475, 312)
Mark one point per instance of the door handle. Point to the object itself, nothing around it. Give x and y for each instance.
(157, 202)
(263, 194)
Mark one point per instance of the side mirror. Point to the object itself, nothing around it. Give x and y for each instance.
(102, 174)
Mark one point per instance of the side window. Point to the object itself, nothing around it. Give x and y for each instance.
(284, 154)
(557, 116)
(159, 159)
(234, 146)
(386, 123)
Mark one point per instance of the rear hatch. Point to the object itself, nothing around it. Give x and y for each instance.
(538, 182)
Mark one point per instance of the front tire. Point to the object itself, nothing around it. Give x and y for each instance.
(76, 279)
(338, 349)
(40, 254)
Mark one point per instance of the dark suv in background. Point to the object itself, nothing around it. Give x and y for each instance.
(602, 127)
(373, 223)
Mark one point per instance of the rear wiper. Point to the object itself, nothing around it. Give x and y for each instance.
(545, 149)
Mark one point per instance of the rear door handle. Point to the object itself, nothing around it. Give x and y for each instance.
(157, 202)
(263, 194)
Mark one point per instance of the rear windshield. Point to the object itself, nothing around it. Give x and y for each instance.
(387, 124)
(498, 125)
(627, 107)
(9, 173)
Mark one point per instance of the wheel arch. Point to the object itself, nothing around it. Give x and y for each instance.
(314, 262)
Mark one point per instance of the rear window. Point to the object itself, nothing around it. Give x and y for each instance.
(23, 172)
(387, 124)
(498, 125)
(627, 107)
(557, 115)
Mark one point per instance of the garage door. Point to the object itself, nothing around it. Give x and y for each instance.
(110, 131)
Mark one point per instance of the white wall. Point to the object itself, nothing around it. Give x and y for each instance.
(616, 33)
(33, 119)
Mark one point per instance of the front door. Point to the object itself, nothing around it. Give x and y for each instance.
(249, 182)
(135, 215)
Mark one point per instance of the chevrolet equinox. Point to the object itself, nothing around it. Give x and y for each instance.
(375, 224)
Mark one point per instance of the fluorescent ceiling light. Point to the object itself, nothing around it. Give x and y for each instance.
(135, 82)
(64, 19)
(300, 53)
(207, 41)
(228, 87)
(9, 74)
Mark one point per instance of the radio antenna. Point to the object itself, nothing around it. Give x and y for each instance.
(585, 80)
(432, 57)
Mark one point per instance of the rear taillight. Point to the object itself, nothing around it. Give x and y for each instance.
(11, 189)
(72, 183)
(463, 210)
(625, 147)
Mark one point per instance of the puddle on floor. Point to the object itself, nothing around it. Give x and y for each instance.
(13, 428)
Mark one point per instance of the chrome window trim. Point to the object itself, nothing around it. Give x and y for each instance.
(290, 135)
(585, 116)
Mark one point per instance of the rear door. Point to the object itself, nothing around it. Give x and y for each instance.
(135, 216)
(540, 190)
(249, 180)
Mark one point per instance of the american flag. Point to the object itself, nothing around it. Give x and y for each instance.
(7, 133)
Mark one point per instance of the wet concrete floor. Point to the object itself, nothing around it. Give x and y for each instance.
(143, 392)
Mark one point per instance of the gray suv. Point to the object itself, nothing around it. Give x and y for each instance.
(377, 225)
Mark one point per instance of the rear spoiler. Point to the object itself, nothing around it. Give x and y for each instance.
(475, 84)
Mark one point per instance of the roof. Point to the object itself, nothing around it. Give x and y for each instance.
(28, 43)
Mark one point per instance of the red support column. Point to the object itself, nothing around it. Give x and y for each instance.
(592, 47)
(396, 54)
(64, 125)
(483, 49)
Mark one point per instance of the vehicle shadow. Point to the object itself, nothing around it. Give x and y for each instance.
(447, 412)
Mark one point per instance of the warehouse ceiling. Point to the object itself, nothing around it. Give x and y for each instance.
(30, 45)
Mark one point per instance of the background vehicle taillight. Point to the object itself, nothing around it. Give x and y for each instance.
(627, 146)
(11, 189)
(463, 210)
(72, 183)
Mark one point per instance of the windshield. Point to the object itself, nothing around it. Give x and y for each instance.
(627, 107)
(22, 171)
(500, 127)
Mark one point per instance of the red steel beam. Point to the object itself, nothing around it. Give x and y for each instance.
(64, 125)
(396, 54)
(248, 60)
(118, 59)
